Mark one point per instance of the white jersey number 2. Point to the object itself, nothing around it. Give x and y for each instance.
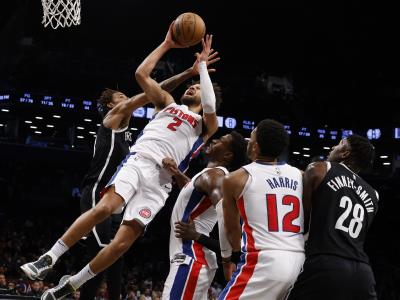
(355, 224)
(172, 126)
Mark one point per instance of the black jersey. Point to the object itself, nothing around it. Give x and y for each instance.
(110, 149)
(343, 207)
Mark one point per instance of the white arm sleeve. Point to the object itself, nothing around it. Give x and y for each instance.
(206, 89)
(226, 248)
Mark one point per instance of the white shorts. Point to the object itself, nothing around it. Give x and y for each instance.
(264, 275)
(143, 185)
(188, 280)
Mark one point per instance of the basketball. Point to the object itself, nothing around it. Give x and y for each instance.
(188, 29)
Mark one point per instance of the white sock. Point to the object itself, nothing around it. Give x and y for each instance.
(80, 278)
(57, 250)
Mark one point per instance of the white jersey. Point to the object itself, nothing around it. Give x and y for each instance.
(271, 208)
(174, 132)
(198, 207)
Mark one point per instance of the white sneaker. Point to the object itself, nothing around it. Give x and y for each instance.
(39, 269)
(63, 289)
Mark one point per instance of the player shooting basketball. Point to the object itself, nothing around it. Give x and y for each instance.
(140, 183)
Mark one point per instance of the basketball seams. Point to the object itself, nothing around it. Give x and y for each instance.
(193, 29)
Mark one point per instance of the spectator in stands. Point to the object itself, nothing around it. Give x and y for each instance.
(146, 295)
(35, 289)
(3, 282)
(11, 288)
(131, 295)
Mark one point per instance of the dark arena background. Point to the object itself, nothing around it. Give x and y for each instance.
(323, 69)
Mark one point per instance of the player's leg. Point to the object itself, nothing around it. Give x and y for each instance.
(176, 281)
(241, 277)
(126, 235)
(142, 206)
(99, 237)
(122, 187)
(204, 280)
(363, 282)
(266, 275)
(188, 281)
(110, 202)
(323, 277)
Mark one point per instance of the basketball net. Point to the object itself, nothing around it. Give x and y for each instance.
(64, 13)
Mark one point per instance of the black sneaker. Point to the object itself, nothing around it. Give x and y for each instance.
(63, 289)
(38, 269)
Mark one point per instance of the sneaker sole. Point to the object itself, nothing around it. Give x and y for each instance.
(31, 275)
(62, 281)
(28, 272)
(46, 295)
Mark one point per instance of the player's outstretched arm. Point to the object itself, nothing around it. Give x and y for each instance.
(155, 94)
(232, 188)
(210, 120)
(120, 115)
(172, 83)
(170, 165)
(226, 248)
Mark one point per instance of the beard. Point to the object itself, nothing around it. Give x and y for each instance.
(188, 100)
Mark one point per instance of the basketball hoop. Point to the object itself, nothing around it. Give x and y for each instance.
(64, 13)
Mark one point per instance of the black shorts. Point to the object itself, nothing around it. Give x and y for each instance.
(331, 277)
(105, 231)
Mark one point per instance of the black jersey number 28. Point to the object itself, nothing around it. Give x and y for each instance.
(356, 221)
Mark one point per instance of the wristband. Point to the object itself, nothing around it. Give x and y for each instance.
(235, 258)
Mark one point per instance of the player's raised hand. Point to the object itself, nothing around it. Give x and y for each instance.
(206, 43)
(212, 58)
(169, 40)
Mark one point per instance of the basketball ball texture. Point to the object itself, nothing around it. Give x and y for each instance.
(188, 29)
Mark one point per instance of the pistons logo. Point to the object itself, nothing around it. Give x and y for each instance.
(145, 213)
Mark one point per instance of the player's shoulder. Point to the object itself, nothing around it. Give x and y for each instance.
(236, 175)
(292, 168)
(209, 179)
(214, 172)
(317, 167)
(104, 129)
(163, 108)
(235, 182)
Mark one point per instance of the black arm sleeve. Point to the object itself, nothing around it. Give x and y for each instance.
(210, 243)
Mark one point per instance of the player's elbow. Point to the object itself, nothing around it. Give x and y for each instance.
(140, 75)
(211, 124)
